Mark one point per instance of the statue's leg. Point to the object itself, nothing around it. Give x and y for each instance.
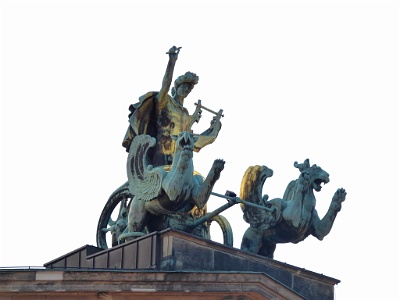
(114, 239)
(251, 241)
(137, 216)
(268, 249)
(201, 193)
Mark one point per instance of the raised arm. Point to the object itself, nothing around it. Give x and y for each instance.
(320, 228)
(209, 136)
(169, 72)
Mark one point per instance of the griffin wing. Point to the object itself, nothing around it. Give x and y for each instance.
(144, 180)
(251, 190)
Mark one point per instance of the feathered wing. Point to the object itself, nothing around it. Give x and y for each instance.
(251, 190)
(144, 180)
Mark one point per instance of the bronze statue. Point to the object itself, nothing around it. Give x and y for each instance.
(161, 116)
(165, 190)
(287, 220)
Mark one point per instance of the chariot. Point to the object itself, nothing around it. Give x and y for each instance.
(113, 219)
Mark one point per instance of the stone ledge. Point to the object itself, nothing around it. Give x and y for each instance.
(136, 285)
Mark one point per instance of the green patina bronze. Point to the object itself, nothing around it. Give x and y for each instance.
(290, 219)
(163, 188)
(165, 191)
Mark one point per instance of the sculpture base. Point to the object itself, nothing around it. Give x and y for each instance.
(168, 265)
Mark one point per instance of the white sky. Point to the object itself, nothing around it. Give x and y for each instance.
(296, 80)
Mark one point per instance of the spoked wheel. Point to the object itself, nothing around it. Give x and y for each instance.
(226, 228)
(123, 197)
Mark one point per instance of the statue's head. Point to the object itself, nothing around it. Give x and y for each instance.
(318, 175)
(184, 84)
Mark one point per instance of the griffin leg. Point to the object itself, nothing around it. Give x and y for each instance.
(201, 197)
(137, 216)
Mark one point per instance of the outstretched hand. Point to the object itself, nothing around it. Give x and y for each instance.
(338, 198)
(215, 124)
(174, 51)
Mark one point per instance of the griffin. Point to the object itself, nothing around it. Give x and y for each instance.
(289, 219)
(163, 190)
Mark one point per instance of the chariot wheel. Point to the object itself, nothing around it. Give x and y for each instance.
(120, 196)
(123, 197)
(226, 229)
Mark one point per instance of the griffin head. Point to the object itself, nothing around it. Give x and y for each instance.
(318, 175)
(184, 141)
